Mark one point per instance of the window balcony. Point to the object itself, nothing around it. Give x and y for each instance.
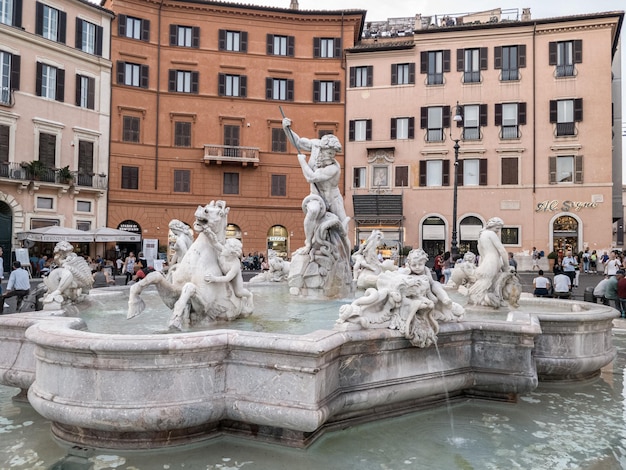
(6, 97)
(565, 129)
(219, 154)
(22, 173)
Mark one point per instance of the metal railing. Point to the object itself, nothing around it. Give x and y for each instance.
(231, 153)
(20, 172)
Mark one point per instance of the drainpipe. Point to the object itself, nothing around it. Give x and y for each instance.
(534, 112)
(158, 101)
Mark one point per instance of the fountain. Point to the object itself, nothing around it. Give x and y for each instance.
(403, 346)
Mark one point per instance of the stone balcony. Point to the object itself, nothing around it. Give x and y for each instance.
(219, 154)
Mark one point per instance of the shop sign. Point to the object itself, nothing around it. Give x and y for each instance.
(565, 206)
(129, 226)
(276, 239)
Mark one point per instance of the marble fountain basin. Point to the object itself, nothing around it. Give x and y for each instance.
(142, 391)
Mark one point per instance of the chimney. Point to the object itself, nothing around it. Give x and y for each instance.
(525, 14)
(294, 5)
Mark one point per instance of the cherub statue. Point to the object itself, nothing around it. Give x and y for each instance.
(229, 260)
(463, 273)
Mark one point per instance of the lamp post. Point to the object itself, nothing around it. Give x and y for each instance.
(454, 249)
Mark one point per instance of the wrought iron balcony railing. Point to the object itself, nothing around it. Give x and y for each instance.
(231, 154)
(21, 172)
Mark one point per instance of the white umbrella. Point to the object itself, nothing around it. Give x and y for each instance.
(54, 233)
(107, 234)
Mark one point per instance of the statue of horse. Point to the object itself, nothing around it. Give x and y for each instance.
(186, 290)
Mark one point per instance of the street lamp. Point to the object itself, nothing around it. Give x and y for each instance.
(454, 249)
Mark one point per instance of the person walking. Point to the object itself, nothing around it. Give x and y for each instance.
(129, 267)
(18, 285)
(535, 258)
(586, 260)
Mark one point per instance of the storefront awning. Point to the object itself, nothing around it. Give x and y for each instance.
(54, 233)
(107, 234)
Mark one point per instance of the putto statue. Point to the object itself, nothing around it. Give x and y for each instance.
(495, 284)
(206, 284)
(408, 300)
(366, 267)
(464, 273)
(69, 281)
(322, 266)
(278, 269)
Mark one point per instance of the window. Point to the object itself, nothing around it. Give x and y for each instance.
(45, 203)
(360, 130)
(182, 134)
(434, 64)
(5, 136)
(134, 28)
(234, 41)
(403, 128)
(435, 120)
(472, 172)
(231, 141)
(510, 236)
(47, 150)
(322, 132)
(510, 116)
(231, 183)
(85, 163)
(183, 81)
(509, 59)
(132, 74)
(564, 55)
(83, 225)
(326, 91)
(88, 37)
(474, 117)
(565, 113)
(182, 181)
(50, 82)
(130, 132)
(280, 45)
(402, 74)
(361, 76)
(279, 185)
(359, 178)
(9, 76)
(434, 173)
(232, 85)
(50, 22)
(402, 177)
(326, 48)
(130, 177)
(380, 176)
(85, 92)
(11, 12)
(279, 140)
(279, 89)
(566, 169)
(184, 36)
(83, 206)
(471, 62)
(510, 170)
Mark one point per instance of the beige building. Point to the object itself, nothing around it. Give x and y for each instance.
(54, 117)
(534, 127)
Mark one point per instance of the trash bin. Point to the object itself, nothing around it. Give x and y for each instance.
(589, 297)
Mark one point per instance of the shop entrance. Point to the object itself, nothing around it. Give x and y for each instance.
(565, 234)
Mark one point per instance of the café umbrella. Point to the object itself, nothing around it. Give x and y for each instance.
(54, 233)
(108, 234)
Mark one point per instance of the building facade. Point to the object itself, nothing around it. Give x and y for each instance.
(534, 131)
(54, 116)
(196, 112)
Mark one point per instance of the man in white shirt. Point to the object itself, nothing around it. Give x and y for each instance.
(600, 290)
(562, 285)
(18, 286)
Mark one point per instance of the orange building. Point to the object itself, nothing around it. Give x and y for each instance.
(196, 98)
(533, 107)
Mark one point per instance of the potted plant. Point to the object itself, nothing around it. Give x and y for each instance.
(35, 170)
(65, 175)
(552, 257)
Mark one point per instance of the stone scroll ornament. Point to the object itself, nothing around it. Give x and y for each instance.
(408, 300)
(206, 285)
(321, 268)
